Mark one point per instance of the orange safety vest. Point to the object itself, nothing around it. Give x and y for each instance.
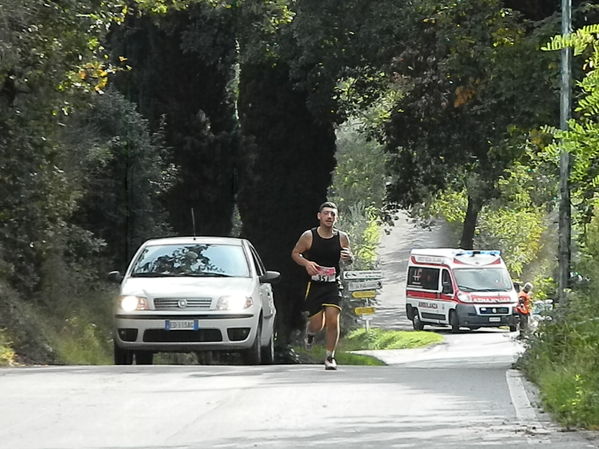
(524, 303)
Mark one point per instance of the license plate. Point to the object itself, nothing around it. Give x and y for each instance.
(177, 325)
(494, 319)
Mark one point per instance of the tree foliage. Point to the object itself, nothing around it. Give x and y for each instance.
(183, 69)
(359, 174)
(51, 63)
(123, 174)
(581, 139)
(469, 88)
(288, 160)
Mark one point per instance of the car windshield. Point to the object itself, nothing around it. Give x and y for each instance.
(483, 279)
(194, 260)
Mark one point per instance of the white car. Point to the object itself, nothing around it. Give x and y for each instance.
(193, 294)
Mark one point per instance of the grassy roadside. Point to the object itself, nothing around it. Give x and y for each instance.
(562, 358)
(374, 339)
(74, 330)
(7, 354)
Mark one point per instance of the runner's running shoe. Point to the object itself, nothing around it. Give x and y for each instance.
(330, 363)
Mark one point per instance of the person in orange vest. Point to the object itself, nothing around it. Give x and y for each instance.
(524, 307)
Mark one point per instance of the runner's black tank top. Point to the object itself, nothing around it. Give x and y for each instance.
(325, 252)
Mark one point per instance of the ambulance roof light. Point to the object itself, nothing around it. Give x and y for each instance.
(473, 253)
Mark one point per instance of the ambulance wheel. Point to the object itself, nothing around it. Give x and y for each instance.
(513, 328)
(416, 323)
(409, 312)
(454, 322)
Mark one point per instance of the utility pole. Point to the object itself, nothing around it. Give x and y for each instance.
(565, 224)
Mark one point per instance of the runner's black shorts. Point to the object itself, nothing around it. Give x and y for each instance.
(320, 295)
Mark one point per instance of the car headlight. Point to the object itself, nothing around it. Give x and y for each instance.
(464, 297)
(232, 302)
(129, 303)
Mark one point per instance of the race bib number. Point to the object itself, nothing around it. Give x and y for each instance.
(325, 274)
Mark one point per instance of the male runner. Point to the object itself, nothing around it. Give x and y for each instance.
(319, 250)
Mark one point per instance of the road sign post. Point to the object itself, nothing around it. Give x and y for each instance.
(363, 284)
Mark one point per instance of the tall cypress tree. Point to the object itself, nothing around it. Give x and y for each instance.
(183, 64)
(288, 157)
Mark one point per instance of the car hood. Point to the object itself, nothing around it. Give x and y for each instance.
(187, 286)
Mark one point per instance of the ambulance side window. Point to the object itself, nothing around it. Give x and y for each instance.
(423, 278)
(446, 286)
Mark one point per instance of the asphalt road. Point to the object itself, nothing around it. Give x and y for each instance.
(461, 394)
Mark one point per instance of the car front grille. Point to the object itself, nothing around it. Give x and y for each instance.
(182, 303)
(182, 336)
(494, 310)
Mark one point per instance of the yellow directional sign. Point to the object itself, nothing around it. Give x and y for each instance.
(364, 310)
(364, 294)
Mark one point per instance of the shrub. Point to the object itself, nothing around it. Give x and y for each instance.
(7, 355)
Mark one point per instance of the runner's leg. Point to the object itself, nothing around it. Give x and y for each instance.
(331, 314)
(315, 323)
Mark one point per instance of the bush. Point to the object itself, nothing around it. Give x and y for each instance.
(563, 360)
(7, 355)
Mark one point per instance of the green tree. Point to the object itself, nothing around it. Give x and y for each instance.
(359, 174)
(123, 174)
(562, 356)
(469, 89)
(51, 63)
(288, 159)
(182, 79)
(582, 137)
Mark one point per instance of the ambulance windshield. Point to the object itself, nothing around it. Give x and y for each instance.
(483, 279)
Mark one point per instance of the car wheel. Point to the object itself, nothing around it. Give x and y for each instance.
(144, 357)
(417, 324)
(454, 322)
(474, 328)
(409, 312)
(122, 356)
(253, 355)
(513, 328)
(268, 352)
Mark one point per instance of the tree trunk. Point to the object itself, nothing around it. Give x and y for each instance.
(474, 207)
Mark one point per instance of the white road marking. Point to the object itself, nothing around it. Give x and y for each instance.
(534, 431)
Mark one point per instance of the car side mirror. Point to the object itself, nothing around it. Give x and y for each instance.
(447, 290)
(269, 276)
(115, 276)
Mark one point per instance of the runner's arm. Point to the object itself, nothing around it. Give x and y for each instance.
(346, 256)
(297, 254)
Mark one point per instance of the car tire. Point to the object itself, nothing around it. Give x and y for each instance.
(474, 328)
(122, 356)
(454, 322)
(268, 352)
(513, 328)
(417, 324)
(144, 357)
(409, 312)
(253, 355)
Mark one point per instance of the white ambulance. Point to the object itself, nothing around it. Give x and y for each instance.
(460, 288)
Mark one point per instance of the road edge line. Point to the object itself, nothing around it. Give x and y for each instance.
(525, 412)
